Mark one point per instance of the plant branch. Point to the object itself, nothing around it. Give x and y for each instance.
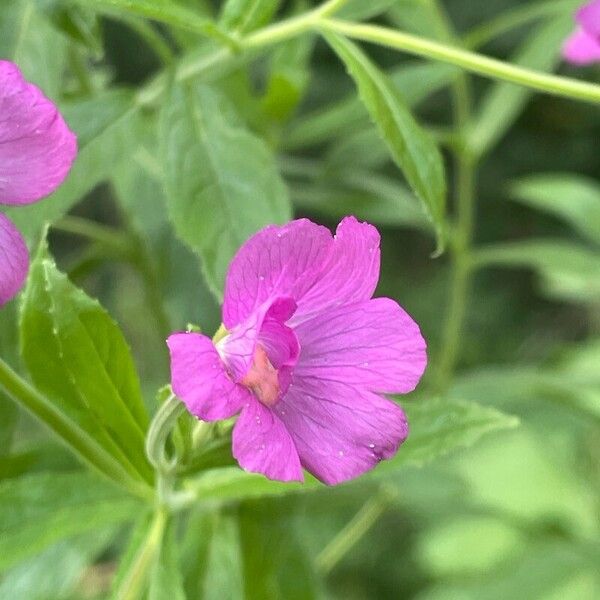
(469, 61)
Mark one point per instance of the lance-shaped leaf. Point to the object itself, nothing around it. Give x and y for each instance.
(222, 181)
(410, 146)
(78, 358)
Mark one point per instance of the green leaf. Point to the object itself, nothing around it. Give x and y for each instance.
(222, 577)
(128, 554)
(437, 427)
(243, 16)
(37, 510)
(504, 102)
(163, 11)
(25, 37)
(56, 571)
(411, 148)
(415, 81)
(367, 195)
(77, 356)
(568, 271)
(105, 128)
(214, 166)
(275, 563)
(166, 581)
(288, 77)
(441, 425)
(8, 420)
(139, 559)
(573, 198)
(358, 10)
(79, 24)
(548, 568)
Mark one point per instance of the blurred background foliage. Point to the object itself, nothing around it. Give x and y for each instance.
(515, 515)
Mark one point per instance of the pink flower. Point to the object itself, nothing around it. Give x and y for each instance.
(36, 152)
(583, 46)
(308, 356)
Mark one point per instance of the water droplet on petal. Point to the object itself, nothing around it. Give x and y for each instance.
(341, 453)
(371, 446)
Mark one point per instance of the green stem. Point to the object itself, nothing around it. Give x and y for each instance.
(78, 439)
(464, 192)
(469, 61)
(318, 18)
(162, 424)
(351, 534)
(514, 18)
(258, 40)
(136, 580)
(460, 277)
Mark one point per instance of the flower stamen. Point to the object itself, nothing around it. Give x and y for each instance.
(262, 378)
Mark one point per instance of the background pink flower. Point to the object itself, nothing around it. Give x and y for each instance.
(583, 46)
(308, 357)
(37, 150)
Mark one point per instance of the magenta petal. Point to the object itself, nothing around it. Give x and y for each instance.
(277, 261)
(15, 260)
(304, 261)
(37, 148)
(340, 431)
(580, 48)
(349, 275)
(261, 444)
(237, 348)
(199, 378)
(588, 16)
(374, 344)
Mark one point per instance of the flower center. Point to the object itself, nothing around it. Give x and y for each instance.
(262, 378)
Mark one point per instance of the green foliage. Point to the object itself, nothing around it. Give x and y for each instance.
(166, 582)
(226, 166)
(572, 198)
(439, 426)
(504, 102)
(40, 509)
(25, 36)
(200, 122)
(55, 572)
(242, 16)
(567, 270)
(164, 11)
(411, 148)
(97, 393)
